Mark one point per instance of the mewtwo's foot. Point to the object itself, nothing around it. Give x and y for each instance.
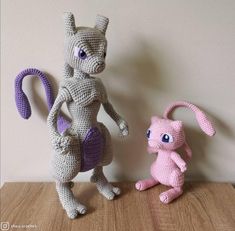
(75, 209)
(72, 207)
(104, 187)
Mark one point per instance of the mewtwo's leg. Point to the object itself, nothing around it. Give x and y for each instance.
(64, 168)
(145, 184)
(176, 181)
(98, 177)
(68, 201)
(102, 184)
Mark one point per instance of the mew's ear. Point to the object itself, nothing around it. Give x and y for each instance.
(101, 23)
(177, 125)
(155, 119)
(69, 22)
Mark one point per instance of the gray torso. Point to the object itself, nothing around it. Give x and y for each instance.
(87, 96)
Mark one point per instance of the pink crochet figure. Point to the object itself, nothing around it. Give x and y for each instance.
(164, 137)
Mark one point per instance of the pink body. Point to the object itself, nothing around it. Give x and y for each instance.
(166, 170)
(164, 137)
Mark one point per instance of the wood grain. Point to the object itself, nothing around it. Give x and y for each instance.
(203, 206)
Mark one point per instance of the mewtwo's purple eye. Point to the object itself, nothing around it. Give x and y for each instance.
(82, 54)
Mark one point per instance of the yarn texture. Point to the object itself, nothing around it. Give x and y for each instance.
(165, 136)
(84, 143)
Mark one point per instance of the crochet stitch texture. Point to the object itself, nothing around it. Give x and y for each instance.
(165, 136)
(85, 143)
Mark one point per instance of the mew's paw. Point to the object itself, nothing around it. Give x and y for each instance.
(139, 186)
(183, 168)
(164, 198)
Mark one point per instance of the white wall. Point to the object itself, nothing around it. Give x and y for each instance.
(159, 51)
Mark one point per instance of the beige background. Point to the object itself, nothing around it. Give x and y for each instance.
(159, 51)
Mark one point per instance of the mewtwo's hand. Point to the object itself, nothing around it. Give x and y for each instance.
(62, 144)
(123, 126)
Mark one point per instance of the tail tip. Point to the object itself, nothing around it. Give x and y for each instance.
(23, 105)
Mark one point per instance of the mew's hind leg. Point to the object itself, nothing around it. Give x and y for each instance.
(68, 201)
(171, 194)
(98, 177)
(145, 184)
(176, 181)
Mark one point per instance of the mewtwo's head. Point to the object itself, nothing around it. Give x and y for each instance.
(85, 47)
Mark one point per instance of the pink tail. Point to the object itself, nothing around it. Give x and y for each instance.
(202, 119)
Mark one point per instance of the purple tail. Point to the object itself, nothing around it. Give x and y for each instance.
(22, 102)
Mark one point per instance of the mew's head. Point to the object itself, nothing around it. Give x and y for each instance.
(85, 47)
(165, 134)
(168, 134)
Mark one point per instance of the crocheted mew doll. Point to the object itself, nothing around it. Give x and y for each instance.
(164, 137)
(85, 143)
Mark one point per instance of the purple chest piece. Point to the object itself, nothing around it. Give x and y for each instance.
(92, 149)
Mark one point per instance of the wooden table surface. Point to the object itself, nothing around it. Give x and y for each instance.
(203, 206)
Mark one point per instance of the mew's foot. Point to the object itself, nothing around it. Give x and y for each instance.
(72, 207)
(145, 184)
(103, 186)
(168, 196)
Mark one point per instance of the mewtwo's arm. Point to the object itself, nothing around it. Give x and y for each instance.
(122, 124)
(60, 143)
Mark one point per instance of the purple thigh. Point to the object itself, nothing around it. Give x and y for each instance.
(92, 148)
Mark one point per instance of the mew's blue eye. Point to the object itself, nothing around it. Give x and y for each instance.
(167, 138)
(82, 54)
(148, 134)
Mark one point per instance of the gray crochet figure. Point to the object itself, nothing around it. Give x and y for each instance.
(84, 144)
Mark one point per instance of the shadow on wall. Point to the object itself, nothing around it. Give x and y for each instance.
(199, 142)
(128, 82)
(139, 73)
(39, 100)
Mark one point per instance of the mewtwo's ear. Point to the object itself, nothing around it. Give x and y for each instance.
(177, 125)
(101, 23)
(155, 119)
(69, 22)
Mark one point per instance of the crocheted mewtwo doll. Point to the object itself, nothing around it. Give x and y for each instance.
(164, 137)
(85, 143)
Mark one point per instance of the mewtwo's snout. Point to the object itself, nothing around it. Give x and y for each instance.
(97, 65)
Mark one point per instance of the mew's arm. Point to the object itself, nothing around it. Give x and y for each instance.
(179, 161)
